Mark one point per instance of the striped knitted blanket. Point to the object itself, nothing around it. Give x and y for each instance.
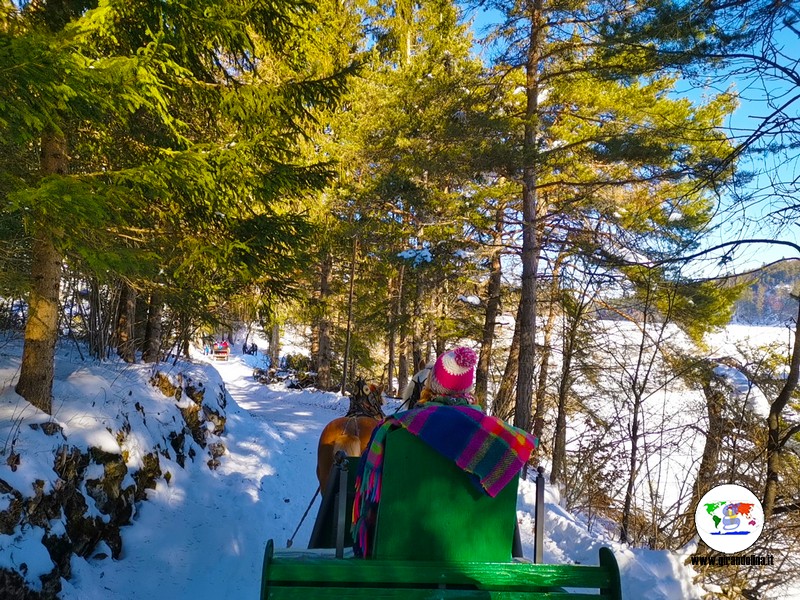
(486, 447)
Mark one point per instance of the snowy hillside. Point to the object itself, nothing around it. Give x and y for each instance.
(201, 532)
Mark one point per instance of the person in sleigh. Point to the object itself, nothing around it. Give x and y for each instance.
(448, 419)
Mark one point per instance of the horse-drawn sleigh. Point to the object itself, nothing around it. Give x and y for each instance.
(435, 534)
(221, 351)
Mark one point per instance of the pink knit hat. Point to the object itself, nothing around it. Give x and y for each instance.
(453, 372)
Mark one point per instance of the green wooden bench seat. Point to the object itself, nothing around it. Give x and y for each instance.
(318, 574)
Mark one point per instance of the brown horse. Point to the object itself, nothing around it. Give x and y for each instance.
(350, 433)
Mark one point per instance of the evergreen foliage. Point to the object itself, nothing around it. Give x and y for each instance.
(767, 298)
(181, 126)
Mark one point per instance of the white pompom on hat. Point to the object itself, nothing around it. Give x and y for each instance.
(453, 372)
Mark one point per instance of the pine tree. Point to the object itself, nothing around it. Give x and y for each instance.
(167, 133)
(598, 137)
(406, 143)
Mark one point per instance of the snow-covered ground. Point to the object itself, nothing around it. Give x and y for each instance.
(202, 534)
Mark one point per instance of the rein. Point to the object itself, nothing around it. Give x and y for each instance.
(360, 412)
(399, 408)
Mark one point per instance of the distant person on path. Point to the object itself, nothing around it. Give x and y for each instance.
(413, 391)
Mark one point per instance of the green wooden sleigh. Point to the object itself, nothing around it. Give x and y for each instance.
(436, 537)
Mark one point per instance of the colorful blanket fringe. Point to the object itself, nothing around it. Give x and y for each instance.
(484, 446)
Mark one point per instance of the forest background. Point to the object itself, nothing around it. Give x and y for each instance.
(170, 171)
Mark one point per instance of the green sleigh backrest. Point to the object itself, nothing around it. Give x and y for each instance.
(431, 510)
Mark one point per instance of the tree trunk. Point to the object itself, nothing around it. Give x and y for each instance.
(100, 317)
(405, 11)
(140, 323)
(633, 467)
(96, 338)
(324, 356)
(324, 326)
(402, 358)
(492, 309)
(391, 335)
(41, 329)
(349, 313)
(503, 404)
(774, 442)
(530, 236)
(709, 462)
(313, 358)
(275, 345)
(544, 361)
(416, 341)
(126, 348)
(570, 347)
(152, 336)
(557, 472)
(184, 341)
(637, 390)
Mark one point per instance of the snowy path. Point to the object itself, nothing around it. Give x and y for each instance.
(293, 419)
(202, 536)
